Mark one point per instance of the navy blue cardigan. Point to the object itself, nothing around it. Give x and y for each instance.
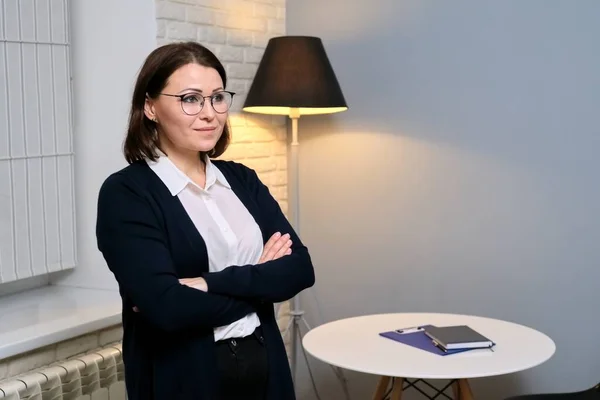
(149, 243)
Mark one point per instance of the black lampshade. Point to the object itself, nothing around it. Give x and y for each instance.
(295, 73)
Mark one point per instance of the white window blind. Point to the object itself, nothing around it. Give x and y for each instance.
(37, 209)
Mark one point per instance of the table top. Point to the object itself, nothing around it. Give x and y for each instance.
(355, 344)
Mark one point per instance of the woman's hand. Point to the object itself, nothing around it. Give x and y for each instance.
(196, 283)
(276, 247)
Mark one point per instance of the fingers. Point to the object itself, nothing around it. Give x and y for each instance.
(283, 250)
(272, 240)
(271, 252)
(195, 283)
(188, 281)
(277, 246)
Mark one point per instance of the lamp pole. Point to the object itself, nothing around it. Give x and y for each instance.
(296, 314)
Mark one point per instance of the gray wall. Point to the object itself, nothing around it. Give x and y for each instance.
(464, 176)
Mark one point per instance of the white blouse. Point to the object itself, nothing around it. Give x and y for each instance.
(231, 234)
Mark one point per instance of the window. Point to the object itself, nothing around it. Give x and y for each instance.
(37, 208)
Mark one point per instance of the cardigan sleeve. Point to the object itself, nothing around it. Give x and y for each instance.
(273, 281)
(133, 244)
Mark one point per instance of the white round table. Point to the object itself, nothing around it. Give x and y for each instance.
(355, 344)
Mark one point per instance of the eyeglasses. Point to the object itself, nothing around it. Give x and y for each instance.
(193, 103)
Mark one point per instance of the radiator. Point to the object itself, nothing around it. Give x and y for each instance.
(97, 375)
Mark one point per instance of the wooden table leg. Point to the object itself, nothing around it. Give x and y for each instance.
(397, 389)
(455, 390)
(382, 386)
(465, 390)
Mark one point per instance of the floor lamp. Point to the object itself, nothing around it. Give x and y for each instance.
(295, 78)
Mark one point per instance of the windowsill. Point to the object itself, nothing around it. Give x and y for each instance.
(51, 314)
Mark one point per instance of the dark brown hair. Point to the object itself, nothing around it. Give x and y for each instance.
(142, 141)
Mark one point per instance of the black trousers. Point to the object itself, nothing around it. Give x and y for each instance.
(243, 367)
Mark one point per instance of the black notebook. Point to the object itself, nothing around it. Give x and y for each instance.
(457, 337)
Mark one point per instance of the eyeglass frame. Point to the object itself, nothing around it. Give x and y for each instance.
(181, 96)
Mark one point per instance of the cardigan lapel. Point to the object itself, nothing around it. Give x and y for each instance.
(172, 205)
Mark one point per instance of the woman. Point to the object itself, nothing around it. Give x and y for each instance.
(199, 247)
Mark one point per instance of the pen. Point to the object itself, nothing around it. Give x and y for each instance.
(410, 329)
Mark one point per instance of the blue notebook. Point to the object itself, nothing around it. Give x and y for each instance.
(419, 340)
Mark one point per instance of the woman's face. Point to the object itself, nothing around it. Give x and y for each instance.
(177, 129)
